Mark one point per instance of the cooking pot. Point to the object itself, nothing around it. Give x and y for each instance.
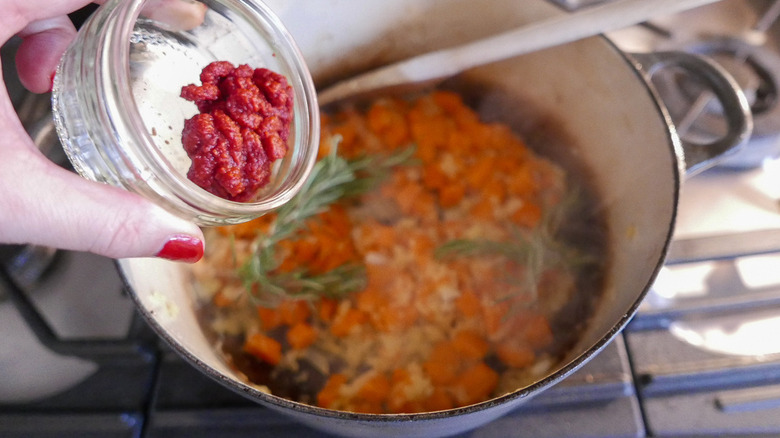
(600, 97)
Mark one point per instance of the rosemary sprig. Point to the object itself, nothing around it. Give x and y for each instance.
(332, 179)
(302, 284)
(536, 250)
(527, 250)
(515, 250)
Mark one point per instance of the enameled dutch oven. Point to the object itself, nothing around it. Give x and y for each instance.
(599, 97)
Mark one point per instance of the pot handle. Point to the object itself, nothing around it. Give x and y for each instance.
(736, 110)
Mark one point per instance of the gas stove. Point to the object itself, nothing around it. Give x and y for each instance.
(699, 359)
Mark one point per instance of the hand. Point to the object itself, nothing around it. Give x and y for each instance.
(44, 204)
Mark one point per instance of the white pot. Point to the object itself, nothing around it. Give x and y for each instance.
(597, 95)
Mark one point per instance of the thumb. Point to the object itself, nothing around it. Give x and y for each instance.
(47, 36)
(50, 206)
(43, 43)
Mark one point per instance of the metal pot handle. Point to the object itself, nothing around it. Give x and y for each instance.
(739, 120)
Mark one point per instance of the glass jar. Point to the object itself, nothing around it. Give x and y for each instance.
(119, 115)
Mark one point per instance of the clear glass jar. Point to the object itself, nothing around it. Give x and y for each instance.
(119, 114)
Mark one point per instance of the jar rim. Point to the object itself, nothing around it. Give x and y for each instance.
(305, 107)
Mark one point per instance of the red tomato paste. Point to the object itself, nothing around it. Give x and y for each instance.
(242, 128)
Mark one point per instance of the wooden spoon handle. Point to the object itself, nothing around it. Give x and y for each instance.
(548, 33)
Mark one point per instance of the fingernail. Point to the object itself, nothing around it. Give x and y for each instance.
(182, 248)
(51, 87)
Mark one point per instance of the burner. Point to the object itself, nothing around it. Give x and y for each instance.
(27, 263)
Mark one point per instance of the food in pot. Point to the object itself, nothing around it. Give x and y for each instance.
(432, 261)
(242, 127)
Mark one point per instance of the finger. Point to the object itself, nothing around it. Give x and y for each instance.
(183, 14)
(45, 40)
(47, 205)
(43, 44)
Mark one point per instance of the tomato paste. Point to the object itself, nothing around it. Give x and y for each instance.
(242, 127)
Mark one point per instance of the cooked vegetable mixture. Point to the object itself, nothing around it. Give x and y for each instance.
(425, 266)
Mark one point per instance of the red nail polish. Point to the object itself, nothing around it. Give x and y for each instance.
(182, 249)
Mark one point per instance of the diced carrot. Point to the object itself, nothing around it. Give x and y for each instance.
(483, 209)
(427, 301)
(537, 332)
(400, 375)
(397, 180)
(325, 119)
(396, 403)
(528, 215)
(348, 133)
(221, 299)
(294, 311)
(333, 253)
(467, 121)
(388, 123)
(494, 317)
(475, 384)
(301, 335)
(470, 344)
(343, 324)
(443, 364)
(376, 236)
(433, 132)
(330, 393)
(379, 277)
(304, 251)
(439, 400)
(448, 100)
(370, 300)
(497, 137)
(411, 407)
(426, 152)
(393, 318)
(422, 248)
(407, 196)
(326, 309)
(521, 182)
(287, 247)
(452, 194)
(264, 348)
(397, 398)
(468, 303)
(510, 164)
(433, 177)
(494, 189)
(269, 318)
(379, 116)
(515, 354)
(479, 173)
(424, 207)
(250, 229)
(461, 145)
(376, 389)
(336, 220)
